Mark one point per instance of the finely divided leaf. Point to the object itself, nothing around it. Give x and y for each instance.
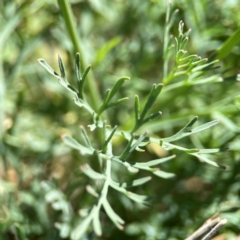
(78, 68)
(205, 126)
(156, 89)
(163, 174)
(142, 199)
(116, 102)
(85, 73)
(134, 183)
(110, 136)
(91, 173)
(48, 68)
(112, 215)
(201, 157)
(62, 70)
(154, 162)
(96, 222)
(81, 228)
(205, 151)
(136, 143)
(186, 131)
(137, 108)
(151, 117)
(201, 67)
(85, 137)
(71, 142)
(92, 191)
(116, 87)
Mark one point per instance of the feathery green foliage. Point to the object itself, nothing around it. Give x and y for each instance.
(136, 163)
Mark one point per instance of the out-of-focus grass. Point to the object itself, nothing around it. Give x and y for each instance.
(119, 38)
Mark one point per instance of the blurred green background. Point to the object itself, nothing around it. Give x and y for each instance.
(41, 186)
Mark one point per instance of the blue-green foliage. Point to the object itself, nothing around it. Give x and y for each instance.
(137, 163)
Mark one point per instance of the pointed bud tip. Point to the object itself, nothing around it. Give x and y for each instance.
(83, 167)
(223, 167)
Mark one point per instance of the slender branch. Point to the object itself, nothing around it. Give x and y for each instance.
(74, 36)
(215, 229)
(207, 228)
(165, 43)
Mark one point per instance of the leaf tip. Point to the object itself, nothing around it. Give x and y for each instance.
(82, 168)
(223, 167)
(121, 228)
(63, 136)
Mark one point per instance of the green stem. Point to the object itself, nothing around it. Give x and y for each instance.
(165, 43)
(72, 31)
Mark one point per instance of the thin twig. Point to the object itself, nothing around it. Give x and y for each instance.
(215, 229)
(204, 229)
